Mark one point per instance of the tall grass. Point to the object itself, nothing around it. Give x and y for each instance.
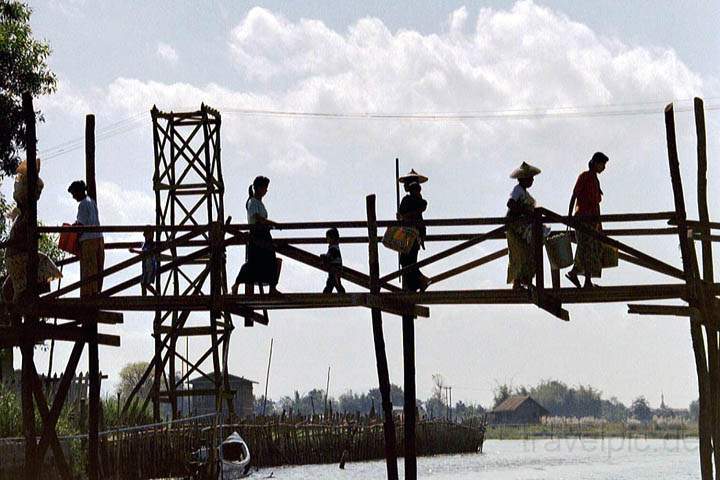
(11, 416)
(134, 416)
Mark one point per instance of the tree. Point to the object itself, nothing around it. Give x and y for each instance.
(260, 402)
(694, 410)
(397, 397)
(130, 376)
(502, 393)
(640, 409)
(22, 69)
(613, 410)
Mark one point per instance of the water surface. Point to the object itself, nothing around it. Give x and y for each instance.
(559, 459)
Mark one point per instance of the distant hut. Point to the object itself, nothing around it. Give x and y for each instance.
(518, 409)
(243, 399)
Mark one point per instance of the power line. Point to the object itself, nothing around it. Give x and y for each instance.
(136, 120)
(513, 114)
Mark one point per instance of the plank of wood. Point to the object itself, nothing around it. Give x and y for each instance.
(670, 310)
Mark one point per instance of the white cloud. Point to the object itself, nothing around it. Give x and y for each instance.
(525, 57)
(120, 206)
(167, 53)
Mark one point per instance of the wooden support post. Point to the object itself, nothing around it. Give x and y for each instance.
(32, 463)
(379, 340)
(713, 344)
(216, 250)
(410, 405)
(705, 421)
(90, 156)
(537, 239)
(94, 408)
(157, 372)
(93, 353)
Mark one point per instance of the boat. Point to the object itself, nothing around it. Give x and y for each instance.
(234, 458)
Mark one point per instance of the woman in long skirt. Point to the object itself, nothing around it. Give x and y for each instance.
(585, 200)
(261, 265)
(521, 264)
(16, 254)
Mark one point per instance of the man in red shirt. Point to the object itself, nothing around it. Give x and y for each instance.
(585, 201)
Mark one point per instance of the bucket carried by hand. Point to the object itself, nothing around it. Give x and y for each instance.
(609, 256)
(559, 250)
(69, 241)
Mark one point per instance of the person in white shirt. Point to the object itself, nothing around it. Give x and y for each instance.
(92, 245)
(261, 264)
(521, 262)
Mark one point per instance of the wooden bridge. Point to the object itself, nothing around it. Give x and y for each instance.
(191, 241)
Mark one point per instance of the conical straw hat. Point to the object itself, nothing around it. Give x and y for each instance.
(525, 171)
(413, 176)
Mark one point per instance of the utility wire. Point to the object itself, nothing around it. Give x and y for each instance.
(138, 119)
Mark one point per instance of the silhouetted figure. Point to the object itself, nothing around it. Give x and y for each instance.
(92, 245)
(261, 264)
(410, 214)
(333, 259)
(16, 253)
(150, 265)
(521, 264)
(585, 199)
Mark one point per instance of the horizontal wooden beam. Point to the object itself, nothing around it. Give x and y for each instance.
(188, 331)
(624, 294)
(196, 392)
(670, 310)
(16, 335)
(430, 222)
(79, 313)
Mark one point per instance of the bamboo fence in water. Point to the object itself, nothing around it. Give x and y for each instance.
(166, 450)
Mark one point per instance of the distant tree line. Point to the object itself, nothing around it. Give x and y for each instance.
(314, 402)
(557, 397)
(562, 400)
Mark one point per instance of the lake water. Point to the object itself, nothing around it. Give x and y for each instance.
(559, 459)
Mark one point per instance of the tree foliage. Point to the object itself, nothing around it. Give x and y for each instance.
(640, 409)
(130, 376)
(502, 393)
(694, 409)
(23, 68)
(564, 401)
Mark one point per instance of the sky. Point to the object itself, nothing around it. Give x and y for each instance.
(604, 71)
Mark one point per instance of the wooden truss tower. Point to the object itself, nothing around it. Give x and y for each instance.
(189, 192)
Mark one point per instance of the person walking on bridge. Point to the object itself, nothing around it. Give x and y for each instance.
(521, 261)
(410, 214)
(261, 264)
(92, 245)
(585, 201)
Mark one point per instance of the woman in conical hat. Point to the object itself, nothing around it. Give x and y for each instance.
(412, 177)
(521, 264)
